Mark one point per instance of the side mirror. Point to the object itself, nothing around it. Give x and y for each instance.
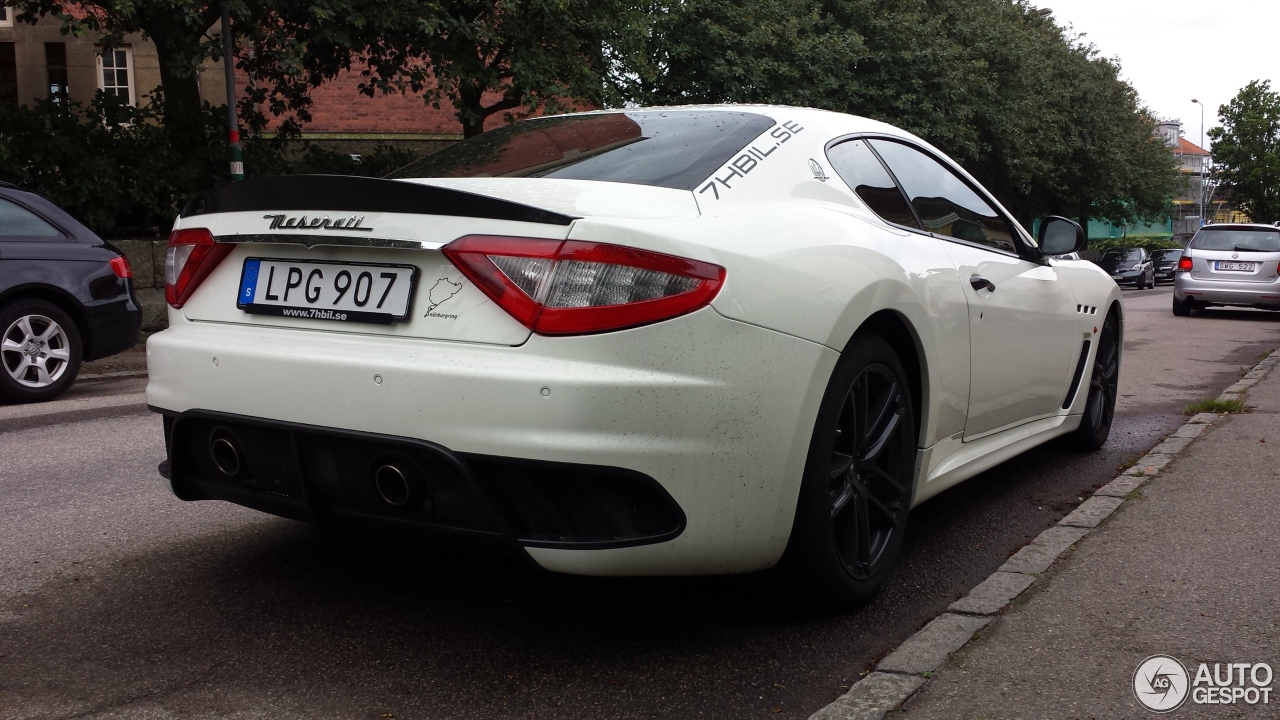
(1059, 236)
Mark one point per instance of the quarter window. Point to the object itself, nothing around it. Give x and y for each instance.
(861, 170)
(17, 221)
(116, 76)
(945, 203)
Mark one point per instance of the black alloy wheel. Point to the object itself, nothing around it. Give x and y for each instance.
(859, 479)
(1100, 408)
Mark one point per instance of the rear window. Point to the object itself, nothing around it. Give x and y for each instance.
(671, 149)
(1248, 240)
(1168, 254)
(1121, 256)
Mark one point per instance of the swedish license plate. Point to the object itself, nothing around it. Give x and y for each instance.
(1235, 266)
(337, 292)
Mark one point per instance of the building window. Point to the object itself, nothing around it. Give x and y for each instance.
(6, 16)
(8, 74)
(55, 62)
(115, 74)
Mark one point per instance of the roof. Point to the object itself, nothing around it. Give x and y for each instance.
(1186, 147)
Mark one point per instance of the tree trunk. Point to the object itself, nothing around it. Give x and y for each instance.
(182, 103)
(470, 112)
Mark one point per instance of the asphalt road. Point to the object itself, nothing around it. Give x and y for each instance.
(118, 600)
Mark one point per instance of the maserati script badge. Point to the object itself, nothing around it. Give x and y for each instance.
(284, 222)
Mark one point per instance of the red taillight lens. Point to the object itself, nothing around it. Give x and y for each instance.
(192, 256)
(120, 266)
(572, 287)
(1184, 264)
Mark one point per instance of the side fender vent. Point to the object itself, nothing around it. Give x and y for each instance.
(1075, 379)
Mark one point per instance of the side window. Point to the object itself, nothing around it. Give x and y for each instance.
(17, 221)
(945, 204)
(861, 170)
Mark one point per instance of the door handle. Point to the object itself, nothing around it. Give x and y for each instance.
(978, 282)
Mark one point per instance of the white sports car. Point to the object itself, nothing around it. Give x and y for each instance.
(643, 342)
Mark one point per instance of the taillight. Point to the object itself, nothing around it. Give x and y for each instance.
(120, 266)
(192, 256)
(570, 287)
(1184, 264)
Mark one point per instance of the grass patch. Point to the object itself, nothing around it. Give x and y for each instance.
(1215, 405)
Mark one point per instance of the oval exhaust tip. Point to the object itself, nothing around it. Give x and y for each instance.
(392, 485)
(225, 456)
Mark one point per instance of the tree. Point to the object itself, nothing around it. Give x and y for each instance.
(1246, 150)
(1035, 115)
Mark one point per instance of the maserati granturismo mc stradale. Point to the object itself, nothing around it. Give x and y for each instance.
(663, 341)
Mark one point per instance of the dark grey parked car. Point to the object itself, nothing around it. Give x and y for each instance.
(1129, 266)
(1166, 263)
(65, 297)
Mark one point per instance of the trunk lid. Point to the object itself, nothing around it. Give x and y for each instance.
(1233, 266)
(331, 223)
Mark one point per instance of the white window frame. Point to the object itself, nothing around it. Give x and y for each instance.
(128, 58)
(7, 19)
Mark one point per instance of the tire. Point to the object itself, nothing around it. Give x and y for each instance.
(1100, 408)
(858, 481)
(40, 352)
(1181, 308)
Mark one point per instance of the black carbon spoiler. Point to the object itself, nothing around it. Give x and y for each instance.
(343, 193)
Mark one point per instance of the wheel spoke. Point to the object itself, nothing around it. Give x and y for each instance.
(842, 498)
(890, 400)
(24, 324)
(878, 446)
(42, 373)
(880, 472)
(50, 330)
(864, 532)
(11, 346)
(61, 353)
(840, 464)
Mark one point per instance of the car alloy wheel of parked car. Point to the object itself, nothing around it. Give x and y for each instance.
(858, 480)
(41, 351)
(1100, 408)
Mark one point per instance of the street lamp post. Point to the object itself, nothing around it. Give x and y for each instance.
(1197, 102)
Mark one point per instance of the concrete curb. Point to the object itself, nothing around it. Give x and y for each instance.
(905, 670)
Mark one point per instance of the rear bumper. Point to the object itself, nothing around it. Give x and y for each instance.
(1129, 278)
(113, 327)
(1223, 292)
(716, 412)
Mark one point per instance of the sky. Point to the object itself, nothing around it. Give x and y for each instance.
(1176, 50)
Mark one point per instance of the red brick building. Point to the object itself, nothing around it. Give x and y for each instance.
(38, 60)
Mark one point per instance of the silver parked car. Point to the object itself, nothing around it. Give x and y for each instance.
(1229, 264)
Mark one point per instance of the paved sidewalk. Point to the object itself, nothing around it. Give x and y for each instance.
(1190, 569)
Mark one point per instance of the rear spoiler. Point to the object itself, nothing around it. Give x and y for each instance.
(342, 193)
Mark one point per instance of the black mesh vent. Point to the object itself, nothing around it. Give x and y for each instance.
(557, 504)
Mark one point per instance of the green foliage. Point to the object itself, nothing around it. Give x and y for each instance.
(1148, 244)
(1036, 115)
(1215, 405)
(1246, 150)
(117, 168)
